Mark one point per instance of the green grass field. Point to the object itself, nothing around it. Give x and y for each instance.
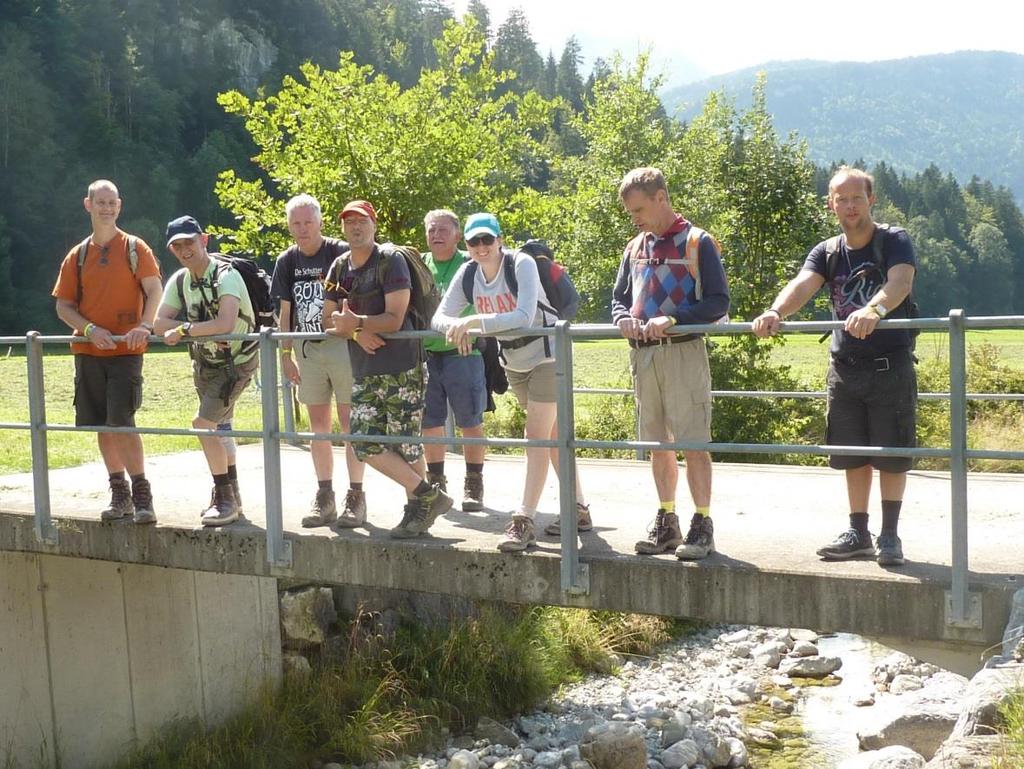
(809, 359)
(170, 398)
(169, 401)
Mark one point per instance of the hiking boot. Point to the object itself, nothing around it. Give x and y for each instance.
(121, 504)
(890, 550)
(663, 536)
(700, 539)
(323, 510)
(849, 544)
(519, 535)
(438, 479)
(421, 513)
(473, 493)
(223, 510)
(142, 501)
(408, 512)
(583, 522)
(354, 514)
(238, 495)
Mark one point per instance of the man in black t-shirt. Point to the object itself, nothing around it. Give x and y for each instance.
(367, 294)
(872, 385)
(321, 369)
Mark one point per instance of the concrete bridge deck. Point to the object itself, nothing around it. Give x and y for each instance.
(769, 521)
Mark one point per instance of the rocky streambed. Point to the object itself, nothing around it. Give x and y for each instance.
(745, 697)
(765, 698)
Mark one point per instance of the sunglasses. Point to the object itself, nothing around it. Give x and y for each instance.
(487, 240)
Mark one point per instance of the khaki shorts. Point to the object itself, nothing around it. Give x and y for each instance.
(325, 371)
(217, 394)
(672, 384)
(536, 385)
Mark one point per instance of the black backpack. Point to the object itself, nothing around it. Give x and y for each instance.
(257, 285)
(908, 308)
(558, 286)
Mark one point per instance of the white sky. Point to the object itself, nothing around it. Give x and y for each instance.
(690, 39)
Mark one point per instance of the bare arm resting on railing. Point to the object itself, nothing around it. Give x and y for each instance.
(101, 338)
(168, 326)
(859, 324)
(897, 286)
(794, 296)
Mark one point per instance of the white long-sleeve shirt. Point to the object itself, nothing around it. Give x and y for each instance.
(500, 309)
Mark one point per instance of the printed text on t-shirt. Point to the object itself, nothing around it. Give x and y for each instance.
(496, 304)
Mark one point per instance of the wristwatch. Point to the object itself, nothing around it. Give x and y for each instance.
(186, 329)
(147, 326)
(879, 309)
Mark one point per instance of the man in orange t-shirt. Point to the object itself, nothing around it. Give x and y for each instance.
(110, 296)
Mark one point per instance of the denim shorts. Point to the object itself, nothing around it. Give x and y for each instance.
(458, 381)
(868, 407)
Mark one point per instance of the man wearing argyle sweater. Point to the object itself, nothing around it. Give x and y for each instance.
(671, 274)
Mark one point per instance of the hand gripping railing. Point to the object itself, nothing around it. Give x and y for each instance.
(963, 609)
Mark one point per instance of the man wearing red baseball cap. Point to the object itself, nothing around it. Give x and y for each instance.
(366, 294)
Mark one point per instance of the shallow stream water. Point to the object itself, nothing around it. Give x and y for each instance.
(830, 718)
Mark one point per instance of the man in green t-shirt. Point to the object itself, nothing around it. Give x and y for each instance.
(215, 302)
(452, 379)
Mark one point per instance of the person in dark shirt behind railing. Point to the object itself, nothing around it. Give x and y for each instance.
(671, 274)
(872, 385)
(367, 293)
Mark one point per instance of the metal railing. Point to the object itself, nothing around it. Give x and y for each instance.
(963, 608)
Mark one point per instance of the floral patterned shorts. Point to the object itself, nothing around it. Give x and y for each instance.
(388, 404)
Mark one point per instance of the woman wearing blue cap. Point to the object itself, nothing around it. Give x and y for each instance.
(503, 306)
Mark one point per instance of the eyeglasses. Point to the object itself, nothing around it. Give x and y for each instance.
(487, 240)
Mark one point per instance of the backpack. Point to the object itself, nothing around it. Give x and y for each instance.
(257, 285)
(424, 298)
(558, 286)
(833, 247)
(83, 252)
(691, 259)
(691, 256)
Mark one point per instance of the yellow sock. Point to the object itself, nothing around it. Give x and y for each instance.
(668, 507)
(704, 511)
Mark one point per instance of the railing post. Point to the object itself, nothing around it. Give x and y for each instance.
(288, 404)
(45, 530)
(575, 576)
(959, 613)
(279, 550)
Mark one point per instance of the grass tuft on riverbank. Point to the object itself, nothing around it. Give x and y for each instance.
(1012, 713)
(371, 697)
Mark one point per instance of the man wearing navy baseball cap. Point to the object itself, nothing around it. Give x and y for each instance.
(214, 300)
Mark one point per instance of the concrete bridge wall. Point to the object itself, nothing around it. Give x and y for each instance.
(96, 655)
